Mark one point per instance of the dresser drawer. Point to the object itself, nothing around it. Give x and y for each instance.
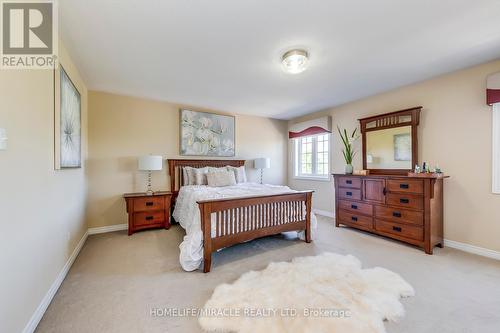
(352, 182)
(356, 207)
(405, 200)
(148, 218)
(149, 204)
(403, 230)
(355, 219)
(405, 185)
(349, 193)
(399, 215)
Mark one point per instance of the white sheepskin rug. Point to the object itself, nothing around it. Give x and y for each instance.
(325, 293)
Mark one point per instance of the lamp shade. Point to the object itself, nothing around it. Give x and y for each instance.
(3, 139)
(150, 163)
(262, 163)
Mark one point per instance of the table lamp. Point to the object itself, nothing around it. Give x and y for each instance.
(262, 163)
(150, 163)
(3, 139)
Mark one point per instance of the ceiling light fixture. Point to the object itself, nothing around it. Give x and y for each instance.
(295, 61)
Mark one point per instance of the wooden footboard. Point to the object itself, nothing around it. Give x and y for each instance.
(239, 220)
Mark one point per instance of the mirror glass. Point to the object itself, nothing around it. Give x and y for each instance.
(389, 148)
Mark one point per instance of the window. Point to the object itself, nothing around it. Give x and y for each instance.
(496, 149)
(312, 156)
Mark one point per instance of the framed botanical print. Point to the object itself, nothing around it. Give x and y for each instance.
(206, 134)
(67, 121)
(402, 147)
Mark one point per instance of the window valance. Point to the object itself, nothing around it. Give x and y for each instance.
(493, 89)
(310, 127)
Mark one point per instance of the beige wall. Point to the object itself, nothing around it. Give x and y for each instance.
(455, 131)
(121, 128)
(41, 210)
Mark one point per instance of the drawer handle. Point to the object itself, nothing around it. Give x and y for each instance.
(354, 218)
(396, 214)
(348, 181)
(406, 186)
(354, 206)
(149, 218)
(398, 229)
(149, 203)
(404, 201)
(348, 193)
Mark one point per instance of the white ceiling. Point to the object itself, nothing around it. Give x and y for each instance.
(225, 54)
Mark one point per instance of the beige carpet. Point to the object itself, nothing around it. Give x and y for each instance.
(117, 280)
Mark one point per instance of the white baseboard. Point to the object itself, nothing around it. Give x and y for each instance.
(324, 213)
(109, 228)
(42, 307)
(472, 249)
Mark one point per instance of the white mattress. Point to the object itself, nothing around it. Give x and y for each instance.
(187, 213)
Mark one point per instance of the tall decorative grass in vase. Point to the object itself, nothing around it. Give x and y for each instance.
(348, 150)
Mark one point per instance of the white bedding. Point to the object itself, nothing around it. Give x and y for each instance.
(187, 213)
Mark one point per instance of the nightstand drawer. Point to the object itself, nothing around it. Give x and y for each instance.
(148, 218)
(148, 211)
(149, 204)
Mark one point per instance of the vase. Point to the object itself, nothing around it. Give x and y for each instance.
(348, 169)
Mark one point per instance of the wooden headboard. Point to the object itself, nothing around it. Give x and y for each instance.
(175, 170)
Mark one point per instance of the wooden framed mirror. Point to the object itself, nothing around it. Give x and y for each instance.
(390, 144)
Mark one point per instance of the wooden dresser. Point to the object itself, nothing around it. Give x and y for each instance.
(409, 209)
(148, 211)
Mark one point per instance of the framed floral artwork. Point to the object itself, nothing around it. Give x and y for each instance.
(68, 151)
(206, 134)
(402, 147)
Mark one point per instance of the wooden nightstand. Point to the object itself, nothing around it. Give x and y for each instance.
(148, 211)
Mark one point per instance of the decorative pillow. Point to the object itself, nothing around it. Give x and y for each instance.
(200, 175)
(185, 176)
(213, 169)
(221, 178)
(188, 176)
(239, 173)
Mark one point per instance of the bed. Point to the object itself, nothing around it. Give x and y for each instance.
(219, 217)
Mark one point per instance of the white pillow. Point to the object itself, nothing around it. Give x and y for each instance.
(185, 176)
(239, 173)
(199, 176)
(221, 178)
(214, 169)
(188, 176)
